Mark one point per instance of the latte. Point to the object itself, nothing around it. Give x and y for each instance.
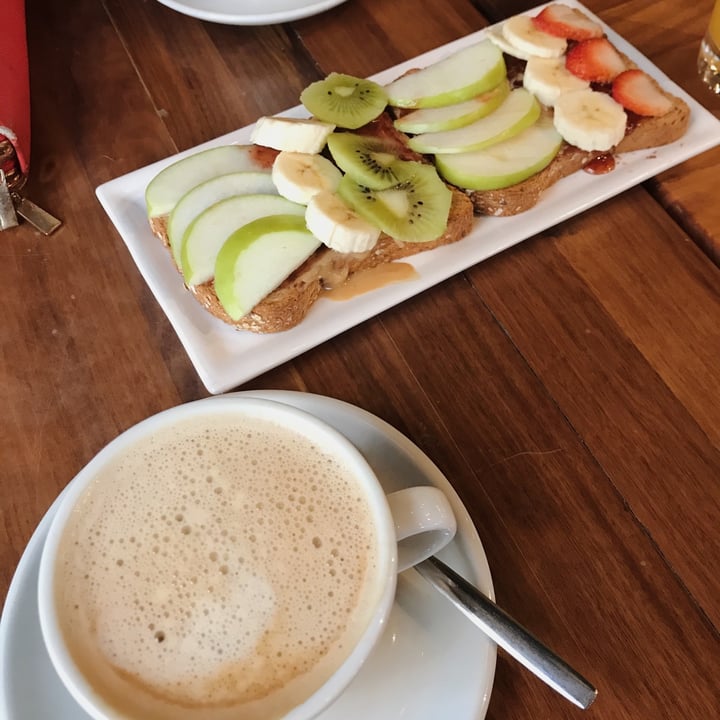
(223, 567)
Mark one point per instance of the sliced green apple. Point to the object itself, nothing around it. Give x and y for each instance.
(505, 163)
(458, 77)
(212, 191)
(518, 111)
(257, 258)
(170, 184)
(209, 231)
(453, 116)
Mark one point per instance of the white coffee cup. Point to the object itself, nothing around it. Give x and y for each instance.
(173, 568)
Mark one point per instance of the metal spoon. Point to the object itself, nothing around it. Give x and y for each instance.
(507, 633)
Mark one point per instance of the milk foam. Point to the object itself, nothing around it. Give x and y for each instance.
(216, 569)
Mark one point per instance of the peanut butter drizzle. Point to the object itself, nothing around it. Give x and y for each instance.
(371, 279)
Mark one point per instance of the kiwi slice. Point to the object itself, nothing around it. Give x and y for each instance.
(344, 100)
(367, 160)
(415, 209)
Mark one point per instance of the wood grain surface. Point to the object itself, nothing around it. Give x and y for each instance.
(569, 388)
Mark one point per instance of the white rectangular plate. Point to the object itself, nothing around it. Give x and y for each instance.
(225, 358)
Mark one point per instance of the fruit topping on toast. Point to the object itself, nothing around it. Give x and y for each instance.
(372, 161)
(334, 222)
(566, 22)
(414, 209)
(589, 120)
(521, 33)
(256, 242)
(636, 91)
(298, 176)
(548, 78)
(451, 117)
(594, 95)
(506, 163)
(594, 60)
(458, 77)
(518, 111)
(374, 174)
(346, 101)
(257, 257)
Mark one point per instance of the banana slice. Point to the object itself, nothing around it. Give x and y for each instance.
(497, 38)
(520, 32)
(548, 78)
(589, 120)
(299, 176)
(337, 225)
(291, 134)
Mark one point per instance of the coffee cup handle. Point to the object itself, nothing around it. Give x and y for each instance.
(424, 523)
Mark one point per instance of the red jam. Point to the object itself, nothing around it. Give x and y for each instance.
(263, 156)
(601, 164)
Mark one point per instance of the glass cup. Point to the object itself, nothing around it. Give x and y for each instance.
(709, 56)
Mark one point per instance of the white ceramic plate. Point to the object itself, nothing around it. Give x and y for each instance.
(225, 358)
(431, 662)
(250, 12)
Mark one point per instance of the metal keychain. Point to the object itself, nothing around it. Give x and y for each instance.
(12, 203)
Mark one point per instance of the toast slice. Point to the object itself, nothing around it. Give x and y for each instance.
(641, 133)
(287, 305)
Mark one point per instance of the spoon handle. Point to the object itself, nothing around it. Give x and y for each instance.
(507, 633)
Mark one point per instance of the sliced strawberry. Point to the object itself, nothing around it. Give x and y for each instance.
(636, 91)
(566, 22)
(594, 60)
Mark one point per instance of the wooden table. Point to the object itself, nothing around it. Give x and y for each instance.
(569, 388)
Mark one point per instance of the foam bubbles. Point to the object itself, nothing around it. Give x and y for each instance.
(229, 585)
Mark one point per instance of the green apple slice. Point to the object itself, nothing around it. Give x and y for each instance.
(170, 184)
(257, 258)
(458, 77)
(453, 116)
(519, 110)
(209, 231)
(505, 163)
(212, 191)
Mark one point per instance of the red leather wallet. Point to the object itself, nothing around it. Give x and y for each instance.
(15, 122)
(15, 85)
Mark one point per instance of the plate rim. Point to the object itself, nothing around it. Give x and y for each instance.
(251, 19)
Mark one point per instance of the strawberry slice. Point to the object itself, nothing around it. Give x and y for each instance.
(594, 60)
(566, 22)
(636, 91)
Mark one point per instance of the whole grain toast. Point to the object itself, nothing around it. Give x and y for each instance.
(641, 133)
(287, 305)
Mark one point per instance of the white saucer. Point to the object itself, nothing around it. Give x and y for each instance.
(431, 662)
(250, 12)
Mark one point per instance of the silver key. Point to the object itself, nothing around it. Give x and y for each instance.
(40, 219)
(12, 203)
(8, 217)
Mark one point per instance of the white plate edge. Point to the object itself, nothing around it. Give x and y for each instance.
(228, 18)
